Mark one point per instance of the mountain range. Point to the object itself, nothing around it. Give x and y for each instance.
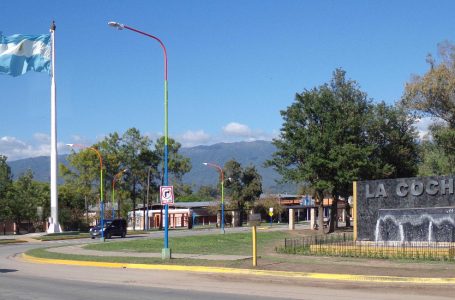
(246, 153)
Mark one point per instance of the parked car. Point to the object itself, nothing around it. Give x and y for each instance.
(112, 228)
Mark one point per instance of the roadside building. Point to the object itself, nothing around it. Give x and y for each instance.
(181, 215)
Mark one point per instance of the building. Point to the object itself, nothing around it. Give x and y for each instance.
(181, 215)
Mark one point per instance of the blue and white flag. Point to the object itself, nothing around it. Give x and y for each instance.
(21, 53)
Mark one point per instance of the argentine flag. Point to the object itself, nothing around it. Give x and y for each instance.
(21, 53)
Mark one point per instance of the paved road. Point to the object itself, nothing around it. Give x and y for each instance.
(21, 280)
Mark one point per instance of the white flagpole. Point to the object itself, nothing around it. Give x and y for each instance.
(54, 226)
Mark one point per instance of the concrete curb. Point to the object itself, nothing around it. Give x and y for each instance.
(203, 269)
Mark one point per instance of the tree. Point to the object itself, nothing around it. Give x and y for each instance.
(5, 176)
(83, 178)
(435, 162)
(391, 132)
(433, 94)
(72, 208)
(5, 186)
(25, 197)
(263, 206)
(130, 151)
(178, 165)
(243, 185)
(333, 135)
(135, 156)
(322, 140)
(205, 193)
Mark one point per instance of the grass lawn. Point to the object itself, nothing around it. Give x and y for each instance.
(42, 253)
(230, 243)
(62, 236)
(11, 241)
(233, 243)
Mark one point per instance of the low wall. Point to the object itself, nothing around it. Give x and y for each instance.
(406, 209)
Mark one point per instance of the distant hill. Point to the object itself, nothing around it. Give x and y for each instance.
(40, 166)
(246, 153)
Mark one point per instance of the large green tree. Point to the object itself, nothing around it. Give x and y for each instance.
(333, 135)
(433, 94)
(322, 140)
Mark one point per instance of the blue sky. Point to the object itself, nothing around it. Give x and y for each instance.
(233, 65)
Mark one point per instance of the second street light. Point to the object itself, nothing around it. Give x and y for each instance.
(222, 190)
(101, 184)
(166, 252)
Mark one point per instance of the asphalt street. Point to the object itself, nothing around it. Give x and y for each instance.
(24, 280)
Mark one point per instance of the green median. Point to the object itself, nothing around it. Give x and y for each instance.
(11, 241)
(215, 244)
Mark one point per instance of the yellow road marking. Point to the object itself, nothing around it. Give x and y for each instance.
(203, 269)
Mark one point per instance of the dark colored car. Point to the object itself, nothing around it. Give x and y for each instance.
(112, 228)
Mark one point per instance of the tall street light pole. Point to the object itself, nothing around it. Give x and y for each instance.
(166, 251)
(101, 183)
(116, 177)
(147, 221)
(222, 191)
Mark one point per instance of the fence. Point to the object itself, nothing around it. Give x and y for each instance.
(343, 245)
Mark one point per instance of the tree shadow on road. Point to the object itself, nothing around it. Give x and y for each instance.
(7, 270)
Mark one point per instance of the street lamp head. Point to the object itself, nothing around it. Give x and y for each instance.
(205, 164)
(117, 25)
(70, 145)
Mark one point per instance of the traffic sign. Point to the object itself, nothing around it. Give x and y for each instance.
(167, 194)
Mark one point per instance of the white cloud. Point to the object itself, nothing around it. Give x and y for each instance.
(39, 145)
(42, 137)
(423, 125)
(193, 138)
(237, 129)
(153, 136)
(15, 149)
(234, 132)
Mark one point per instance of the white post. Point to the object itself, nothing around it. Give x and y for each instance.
(54, 226)
(313, 220)
(291, 219)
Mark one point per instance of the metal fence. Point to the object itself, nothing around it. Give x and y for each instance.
(343, 245)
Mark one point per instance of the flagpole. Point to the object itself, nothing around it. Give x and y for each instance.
(54, 226)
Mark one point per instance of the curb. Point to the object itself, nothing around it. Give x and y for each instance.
(203, 269)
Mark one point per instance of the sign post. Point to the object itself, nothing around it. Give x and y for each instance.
(166, 196)
(271, 215)
(254, 220)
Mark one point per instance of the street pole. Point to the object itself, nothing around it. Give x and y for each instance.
(222, 191)
(116, 177)
(148, 191)
(166, 252)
